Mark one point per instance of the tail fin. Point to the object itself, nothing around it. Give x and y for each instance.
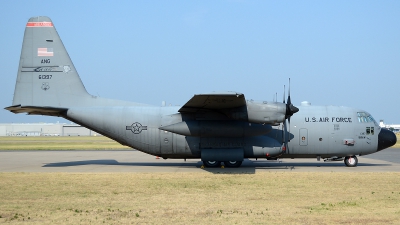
(47, 81)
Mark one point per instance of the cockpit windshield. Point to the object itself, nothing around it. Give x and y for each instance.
(364, 117)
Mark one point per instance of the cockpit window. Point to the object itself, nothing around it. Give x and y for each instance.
(364, 117)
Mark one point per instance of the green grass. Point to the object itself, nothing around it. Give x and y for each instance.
(59, 143)
(191, 198)
(200, 198)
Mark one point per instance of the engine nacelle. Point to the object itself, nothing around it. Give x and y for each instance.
(259, 112)
(266, 112)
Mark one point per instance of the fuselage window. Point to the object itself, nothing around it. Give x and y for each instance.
(370, 130)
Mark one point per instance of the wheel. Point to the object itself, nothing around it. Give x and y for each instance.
(211, 163)
(233, 163)
(351, 161)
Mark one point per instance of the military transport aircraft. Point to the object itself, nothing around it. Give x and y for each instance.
(218, 127)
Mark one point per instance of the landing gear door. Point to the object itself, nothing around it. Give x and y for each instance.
(303, 137)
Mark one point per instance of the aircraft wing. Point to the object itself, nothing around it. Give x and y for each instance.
(214, 101)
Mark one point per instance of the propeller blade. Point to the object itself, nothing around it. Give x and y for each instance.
(288, 100)
(289, 129)
(284, 93)
(286, 138)
(290, 108)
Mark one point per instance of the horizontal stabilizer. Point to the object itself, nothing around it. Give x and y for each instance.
(35, 110)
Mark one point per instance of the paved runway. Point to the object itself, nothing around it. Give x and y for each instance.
(135, 161)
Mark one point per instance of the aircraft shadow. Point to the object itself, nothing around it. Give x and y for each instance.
(248, 166)
(112, 162)
(267, 164)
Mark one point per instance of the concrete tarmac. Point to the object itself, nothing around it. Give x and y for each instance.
(134, 161)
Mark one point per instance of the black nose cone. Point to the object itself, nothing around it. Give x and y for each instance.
(386, 138)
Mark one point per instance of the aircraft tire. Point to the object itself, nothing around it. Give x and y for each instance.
(211, 163)
(233, 164)
(351, 161)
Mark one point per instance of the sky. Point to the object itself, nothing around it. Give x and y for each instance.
(344, 53)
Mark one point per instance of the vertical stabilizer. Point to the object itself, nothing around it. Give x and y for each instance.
(46, 75)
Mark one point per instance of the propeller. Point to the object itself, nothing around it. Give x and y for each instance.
(284, 123)
(290, 110)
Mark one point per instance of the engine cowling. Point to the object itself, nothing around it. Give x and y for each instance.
(262, 112)
(266, 112)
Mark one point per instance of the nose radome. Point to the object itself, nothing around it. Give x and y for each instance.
(386, 138)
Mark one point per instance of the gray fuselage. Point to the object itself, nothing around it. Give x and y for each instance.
(325, 131)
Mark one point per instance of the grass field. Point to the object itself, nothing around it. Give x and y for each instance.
(197, 198)
(59, 143)
(190, 198)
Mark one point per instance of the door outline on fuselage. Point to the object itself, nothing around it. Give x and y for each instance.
(166, 142)
(303, 137)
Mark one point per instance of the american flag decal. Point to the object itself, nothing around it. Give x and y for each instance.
(45, 52)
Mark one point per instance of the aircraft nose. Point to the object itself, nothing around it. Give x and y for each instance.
(386, 138)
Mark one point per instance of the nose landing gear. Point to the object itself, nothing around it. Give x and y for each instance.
(351, 161)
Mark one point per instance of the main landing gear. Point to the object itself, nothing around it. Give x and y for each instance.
(211, 163)
(231, 164)
(351, 161)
